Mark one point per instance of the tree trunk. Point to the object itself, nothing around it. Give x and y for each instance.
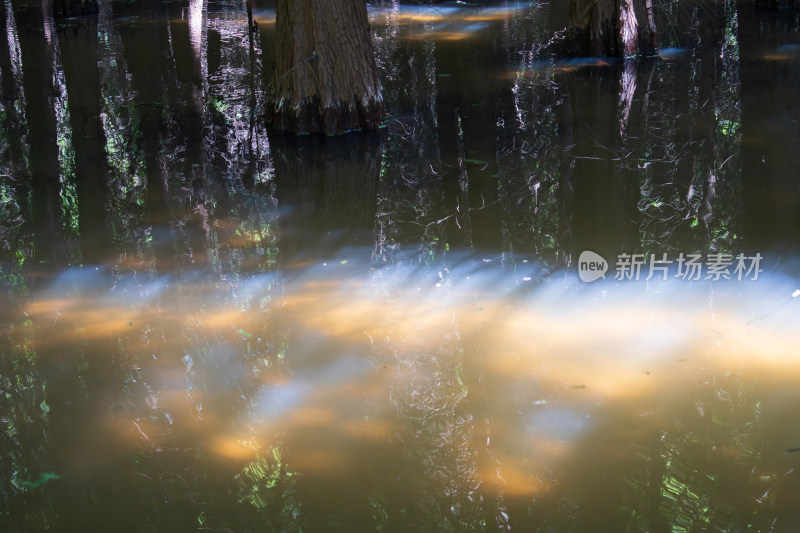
(611, 28)
(325, 79)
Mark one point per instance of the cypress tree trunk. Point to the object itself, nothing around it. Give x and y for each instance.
(592, 28)
(325, 79)
(611, 28)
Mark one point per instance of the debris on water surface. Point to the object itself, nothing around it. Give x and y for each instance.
(44, 478)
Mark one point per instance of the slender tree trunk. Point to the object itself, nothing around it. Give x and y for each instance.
(611, 28)
(250, 22)
(325, 79)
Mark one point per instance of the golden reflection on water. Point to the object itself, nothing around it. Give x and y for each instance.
(777, 57)
(552, 68)
(552, 367)
(241, 448)
(264, 17)
(411, 15)
(444, 23)
(417, 14)
(439, 36)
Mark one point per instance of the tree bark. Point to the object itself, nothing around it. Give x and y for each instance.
(611, 28)
(325, 79)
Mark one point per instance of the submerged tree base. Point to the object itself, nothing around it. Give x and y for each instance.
(611, 28)
(325, 78)
(313, 117)
(585, 41)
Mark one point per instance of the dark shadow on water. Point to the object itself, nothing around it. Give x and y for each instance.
(326, 189)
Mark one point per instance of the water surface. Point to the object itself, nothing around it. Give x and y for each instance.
(209, 326)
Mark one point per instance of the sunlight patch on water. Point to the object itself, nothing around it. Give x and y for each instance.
(546, 68)
(410, 14)
(563, 358)
(265, 17)
(444, 22)
(783, 53)
(241, 449)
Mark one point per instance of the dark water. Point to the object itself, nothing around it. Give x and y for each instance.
(209, 326)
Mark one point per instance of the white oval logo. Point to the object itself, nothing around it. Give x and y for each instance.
(591, 266)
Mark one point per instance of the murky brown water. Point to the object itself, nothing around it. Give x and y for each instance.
(206, 326)
(341, 393)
